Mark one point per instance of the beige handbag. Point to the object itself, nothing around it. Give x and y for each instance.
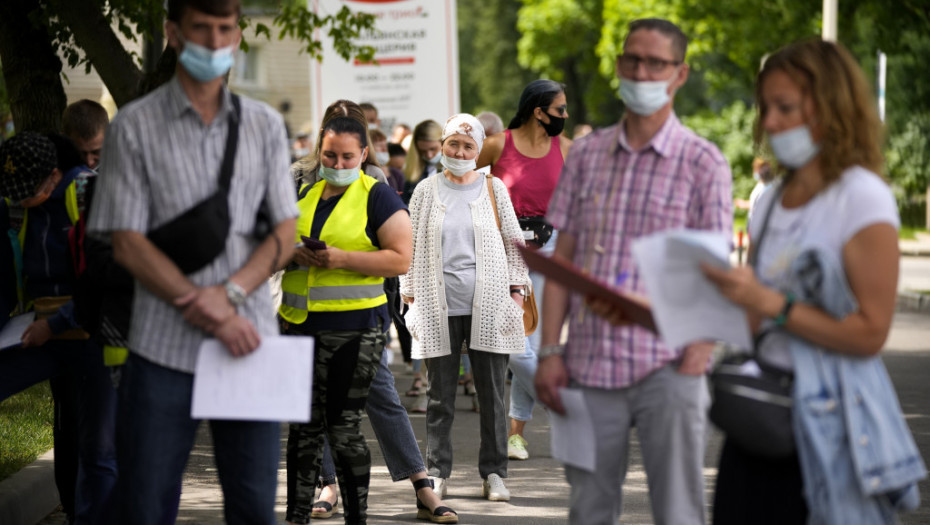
(530, 313)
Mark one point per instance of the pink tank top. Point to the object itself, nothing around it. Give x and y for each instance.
(531, 182)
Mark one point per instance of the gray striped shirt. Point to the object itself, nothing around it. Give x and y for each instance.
(159, 160)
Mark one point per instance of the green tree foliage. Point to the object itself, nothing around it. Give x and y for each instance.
(491, 77)
(33, 33)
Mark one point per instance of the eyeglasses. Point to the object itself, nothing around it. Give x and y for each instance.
(630, 63)
(561, 110)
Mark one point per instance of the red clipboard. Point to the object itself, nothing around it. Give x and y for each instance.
(568, 275)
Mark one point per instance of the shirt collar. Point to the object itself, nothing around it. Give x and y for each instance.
(181, 104)
(661, 142)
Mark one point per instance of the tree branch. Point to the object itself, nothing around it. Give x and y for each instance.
(92, 33)
(31, 69)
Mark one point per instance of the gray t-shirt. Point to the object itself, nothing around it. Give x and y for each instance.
(458, 243)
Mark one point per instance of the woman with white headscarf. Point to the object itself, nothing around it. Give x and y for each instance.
(466, 286)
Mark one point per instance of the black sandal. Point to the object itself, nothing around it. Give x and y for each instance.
(416, 388)
(330, 508)
(437, 515)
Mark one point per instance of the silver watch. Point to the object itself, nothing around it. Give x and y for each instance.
(547, 350)
(235, 293)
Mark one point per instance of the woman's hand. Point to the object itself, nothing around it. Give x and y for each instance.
(406, 299)
(740, 286)
(329, 258)
(517, 298)
(37, 334)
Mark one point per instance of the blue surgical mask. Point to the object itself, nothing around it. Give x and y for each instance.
(458, 167)
(795, 147)
(435, 159)
(340, 178)
(205, 64)
(644, 98)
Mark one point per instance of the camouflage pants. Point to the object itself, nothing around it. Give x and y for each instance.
(344, 366)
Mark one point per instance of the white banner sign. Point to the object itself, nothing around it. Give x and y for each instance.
(416, 47)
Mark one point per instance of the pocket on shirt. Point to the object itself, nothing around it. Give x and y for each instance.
(511, 319)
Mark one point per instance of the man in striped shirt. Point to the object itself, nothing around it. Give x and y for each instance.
(161, 157)
(646, 174)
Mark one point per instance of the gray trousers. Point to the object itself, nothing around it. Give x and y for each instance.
(489, 370)
(669, 411)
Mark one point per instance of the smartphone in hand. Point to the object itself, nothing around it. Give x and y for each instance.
(313, 244)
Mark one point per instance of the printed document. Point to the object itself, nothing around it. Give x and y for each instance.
(273, 383)
(687, 307)
(12, 333)
(572, 435)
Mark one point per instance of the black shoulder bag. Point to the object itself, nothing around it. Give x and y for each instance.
(198, 236)
(752, 399)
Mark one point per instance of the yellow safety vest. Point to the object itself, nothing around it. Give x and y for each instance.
(18, 239)
(307, 289)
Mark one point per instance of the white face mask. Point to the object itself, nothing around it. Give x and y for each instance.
(644, 98)
(794, 148)
(459, 167)
(342, 177)
(383, 157)
(301, 152)
(372, 125)
(435, 159)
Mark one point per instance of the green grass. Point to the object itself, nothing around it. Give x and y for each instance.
(739, 223)
(25, 428)
(909, 233)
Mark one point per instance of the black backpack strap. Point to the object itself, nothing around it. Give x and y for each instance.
(232, 143)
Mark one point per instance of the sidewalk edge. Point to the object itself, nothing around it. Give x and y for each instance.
(30, 495)
(914, 301)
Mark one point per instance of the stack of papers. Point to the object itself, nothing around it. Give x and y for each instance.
(686, 306)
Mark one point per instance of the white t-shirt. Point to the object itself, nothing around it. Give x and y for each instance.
(860, 198)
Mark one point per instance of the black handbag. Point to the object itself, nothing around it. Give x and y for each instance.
(198, 236)
(752, 401)
(540, 229)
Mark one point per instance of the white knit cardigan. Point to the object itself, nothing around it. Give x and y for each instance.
(497, 321)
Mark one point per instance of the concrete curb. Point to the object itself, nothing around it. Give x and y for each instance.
(913, 301)
(30, 495)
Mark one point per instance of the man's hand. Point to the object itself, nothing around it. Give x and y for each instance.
(37, 334)
(238, 335)
(551, 375)
(206, 308)
(695, 358)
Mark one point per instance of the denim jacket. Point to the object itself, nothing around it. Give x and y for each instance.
(858, 458)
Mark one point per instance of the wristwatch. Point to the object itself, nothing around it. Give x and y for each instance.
(547, 350)
(235, 293)
(521, 291)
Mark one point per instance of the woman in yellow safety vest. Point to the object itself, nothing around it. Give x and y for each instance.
(333, 291)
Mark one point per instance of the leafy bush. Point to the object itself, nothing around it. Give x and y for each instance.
(908, 164)
(731, 131)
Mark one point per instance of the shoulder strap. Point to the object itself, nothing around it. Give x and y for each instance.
(756, 244)
(497, 218)
(232, 143)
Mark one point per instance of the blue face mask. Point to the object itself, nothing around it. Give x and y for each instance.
(205, 64)
(340, 178)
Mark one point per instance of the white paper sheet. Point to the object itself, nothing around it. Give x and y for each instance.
(686, 306)
(572, 435)
(12, 333)
(273, 383)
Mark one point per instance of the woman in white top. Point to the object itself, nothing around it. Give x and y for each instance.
(465, 285)
(833, 208)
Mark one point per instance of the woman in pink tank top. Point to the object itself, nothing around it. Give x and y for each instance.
(528, 158)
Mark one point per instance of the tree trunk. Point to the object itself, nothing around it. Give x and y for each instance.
(31, 69)
(93, 34)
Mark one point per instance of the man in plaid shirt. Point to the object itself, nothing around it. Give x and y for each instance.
(646, 174)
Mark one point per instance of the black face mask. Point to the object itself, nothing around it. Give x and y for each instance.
(555, 125)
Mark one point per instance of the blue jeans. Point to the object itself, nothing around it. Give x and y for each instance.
(392, 429)
(156, 433)
(523, 366)
(95, 501)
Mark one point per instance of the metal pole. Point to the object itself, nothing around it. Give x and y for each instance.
(882, 66)
(829, 20)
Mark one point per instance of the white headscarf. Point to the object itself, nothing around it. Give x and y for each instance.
(464, 124)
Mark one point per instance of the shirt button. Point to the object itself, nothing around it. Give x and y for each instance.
(863, 440)
(830, 405)
(875, 482)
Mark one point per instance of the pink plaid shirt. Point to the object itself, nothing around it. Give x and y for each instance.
(609, 195)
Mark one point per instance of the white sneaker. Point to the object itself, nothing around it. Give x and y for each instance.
(440, 486)
(494, 490)
(516, 448)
